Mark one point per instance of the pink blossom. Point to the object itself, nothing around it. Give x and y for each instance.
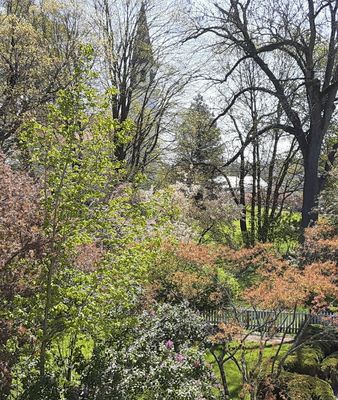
(169, 344)
(179, 358)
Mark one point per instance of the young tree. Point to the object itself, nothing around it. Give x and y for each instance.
(99, 237)
(304, 33)
(71, 158)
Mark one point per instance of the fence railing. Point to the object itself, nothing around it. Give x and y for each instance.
(267, 320)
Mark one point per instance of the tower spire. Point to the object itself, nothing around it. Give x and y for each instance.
(143, 58)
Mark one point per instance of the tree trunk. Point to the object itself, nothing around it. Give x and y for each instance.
(243, 219)
(311, 186)
(253, 197)
(266, 214)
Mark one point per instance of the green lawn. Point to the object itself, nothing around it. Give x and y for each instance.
(233, 375)
(286, 233)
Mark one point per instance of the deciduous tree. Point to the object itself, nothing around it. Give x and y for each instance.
(39, 46)
(305, 34)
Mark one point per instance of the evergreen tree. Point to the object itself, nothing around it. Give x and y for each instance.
(199, 146)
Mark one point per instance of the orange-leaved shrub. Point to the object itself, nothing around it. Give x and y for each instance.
(310, 281)
(190, 272)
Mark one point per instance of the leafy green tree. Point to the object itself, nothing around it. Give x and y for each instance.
(97, 251)
(199, 147)
(39, 46)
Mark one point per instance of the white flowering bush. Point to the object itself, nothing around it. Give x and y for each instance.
(204, 211)
(187, 212)
(162, 360)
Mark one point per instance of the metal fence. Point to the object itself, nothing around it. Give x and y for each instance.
(266, 320)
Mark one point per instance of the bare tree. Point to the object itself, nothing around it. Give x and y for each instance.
(305, 33)
(135, 45)
(257, 147)
(268, 177)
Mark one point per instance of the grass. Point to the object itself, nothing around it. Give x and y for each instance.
(286, 234)
(233, 375)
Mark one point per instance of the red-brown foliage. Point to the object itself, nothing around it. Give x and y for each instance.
(199, 254)
(20, 222)
(20, 245)
(288, 286)
(188, 272)
(88, 257)
(312, 282)
(321, 244)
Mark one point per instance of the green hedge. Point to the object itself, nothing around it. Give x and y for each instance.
(329, 368)
(307, 360)
(305, 387)
(327, 338)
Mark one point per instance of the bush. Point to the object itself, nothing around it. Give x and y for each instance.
(306, 360)
(47, 389)
(164, 360)
(327, 338)
(329, 368)
(304, 387)
(190, 273)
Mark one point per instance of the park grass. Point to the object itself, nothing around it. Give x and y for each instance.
(286, 236)
(233, 375)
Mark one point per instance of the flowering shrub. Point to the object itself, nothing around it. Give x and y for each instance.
(205, 214)
(162, 360)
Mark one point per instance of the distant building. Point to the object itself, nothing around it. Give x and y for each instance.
(144, 64)
(233, 182)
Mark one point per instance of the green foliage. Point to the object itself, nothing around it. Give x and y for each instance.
(330, 196)
(98, 247)
(46, 389)
(304, 387)
(251, 356)
(329, 368)
(199, 147)
(162, 359)
(306, 360)
(326, 339)
(285, 231)
(40, 49)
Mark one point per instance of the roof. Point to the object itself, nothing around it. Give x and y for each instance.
(234, 182)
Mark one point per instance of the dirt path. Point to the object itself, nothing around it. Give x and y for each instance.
(273, 341)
